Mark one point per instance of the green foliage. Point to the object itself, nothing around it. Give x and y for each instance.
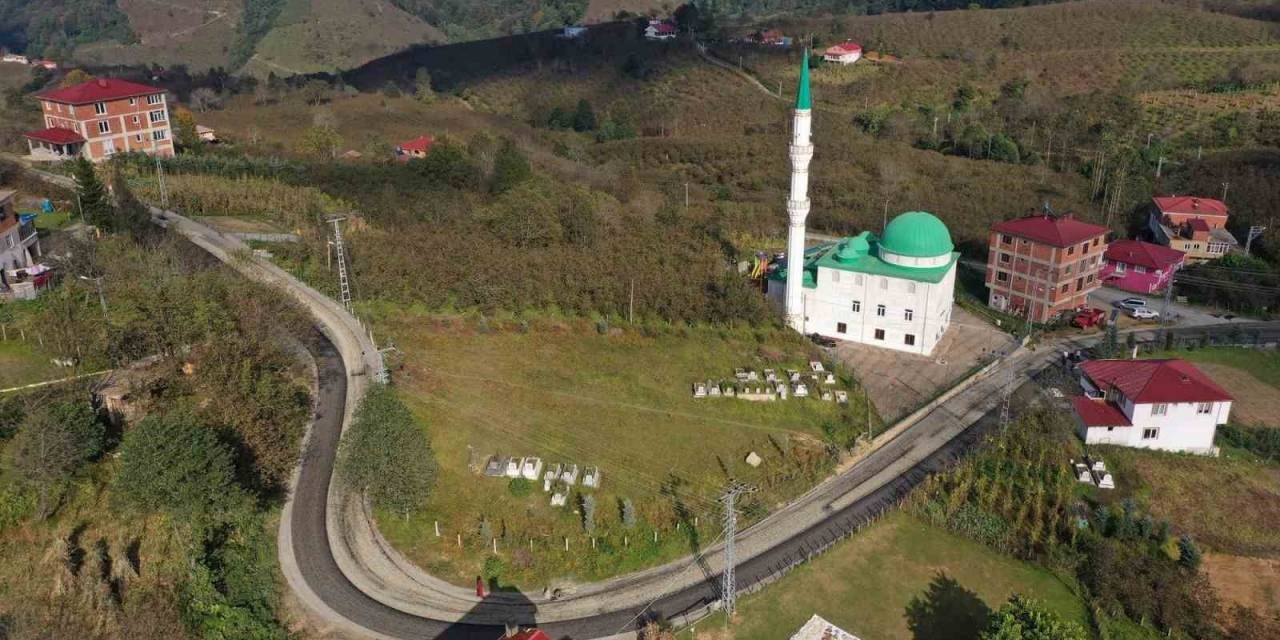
(385, 453)
(628, 513)
(174, 464)
(1237, 282)
(54, 28)
(587, 502)
(54, 442)
(422, 86)
(258, 18)
(584, 117)
(131, 216)
(1261, 442)
(520, 487)
(1024, 619)
(510, 167)
(92, 198)
(448, 165)
(1188, 553)
(321, 142)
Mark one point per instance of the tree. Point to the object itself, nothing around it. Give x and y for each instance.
(204, 99)
(1024, 619)
(174, 464)
(91, 195)
(584, 117)
(1188, 553)
(74, 77)
(386, 455)
(422, 86)
(184, 130)
(131, 216)
(51, 444)
(510, 167)
(321, 141)
(315, 92)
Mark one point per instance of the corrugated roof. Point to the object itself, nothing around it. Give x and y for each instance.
(1148, 381)
(1056, 231)
(1146, 254)
(1190, 205)
(1099, 413)
(55, 135)
(98, 90)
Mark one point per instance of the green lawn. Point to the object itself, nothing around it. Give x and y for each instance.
(899, 579)
(567, 393)
(21, 363)
(53, 221)
(1263, 364)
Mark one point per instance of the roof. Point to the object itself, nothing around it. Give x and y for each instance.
(861, 254)
(1198, 224)
(55, 135)
(97, 90)
(529, 634)
(1099, 413)
(6, 195)
(1146, 254)
(1191, 205)
(843, 48)
(420, 143)
(803, 101)
(1148, 381)
(918, 234)
(818, 628)
(1057, 231)
(662, 26)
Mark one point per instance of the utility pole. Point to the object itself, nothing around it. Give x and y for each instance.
(631, 303)
(935, 128)
(1168, 300)
(686, 196)
(164, 190)
(343, 281)
(1254, 232)
(1159, 166)
(728, 587)
(1225, 186)
(1149, 139)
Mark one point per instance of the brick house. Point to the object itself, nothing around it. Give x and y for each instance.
(1192, 225)
(100, 118)
(1041, 265)
(1140, 267)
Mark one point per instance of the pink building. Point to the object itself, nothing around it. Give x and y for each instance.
(1140, 267)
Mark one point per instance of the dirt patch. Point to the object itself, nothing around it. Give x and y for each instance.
(1253, 583)
(1255, 400)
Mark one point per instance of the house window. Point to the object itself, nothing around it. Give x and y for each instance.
(157, 115)
(1150, 433)
(1095, 241)
(135, 120)
(1002, 276)
(133, 101)
(1004, 239)
(104, 126)
(159, 134)
(1160, 409)
(1119, 267)
(1067, 269)
(880, 310)
(909, 340)
(1066, 287)
(857, 306)
(138, 137)
(154, 98)
(879, 334)
(1079, 283)
(841, 327)
(1071, 250)
(108, 147)
(911, 287)
(1084, 248)
(1139, 268)
(100, 108)
(49, 121)
(908, 314)
(1089, 279)
(1005, 258)
(1204, 408)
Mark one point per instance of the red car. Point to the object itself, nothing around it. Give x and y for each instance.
(1086, 318)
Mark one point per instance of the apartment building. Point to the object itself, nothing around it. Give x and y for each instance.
(100, 118)
(1039, 266)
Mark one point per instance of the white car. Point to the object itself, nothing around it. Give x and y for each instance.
(1132, 303)
(1143, 313)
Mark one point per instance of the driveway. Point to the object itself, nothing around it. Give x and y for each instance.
(1183, 315)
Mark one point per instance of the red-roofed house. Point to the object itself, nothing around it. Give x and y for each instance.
(100, 118)
(660, 30)
(1152, 404)
(1195, 226)
(847, 52)
(418, 147)
(1140, 267)
(1039, 266)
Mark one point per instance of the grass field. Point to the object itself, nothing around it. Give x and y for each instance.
(621, 401)
(873, 584)
(1252, 376)
(22, 363)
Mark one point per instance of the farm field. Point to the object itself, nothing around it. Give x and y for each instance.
(22, 363)
(898, 579)
(621, 400)
(1252, 376)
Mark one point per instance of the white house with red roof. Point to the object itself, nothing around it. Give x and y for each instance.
(660, 30)
(1140, 267)
(100, 118)
(418, 147)
(1151, 404)
(847, 52)
(1193, 225)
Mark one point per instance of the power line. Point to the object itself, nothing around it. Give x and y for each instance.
(729, 587)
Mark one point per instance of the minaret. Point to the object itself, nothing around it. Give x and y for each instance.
(798, 203)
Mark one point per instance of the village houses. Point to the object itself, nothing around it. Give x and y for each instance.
(1041, 265)
(1153, 404)
(1195, 226)
(847, 52)
(1140, 267)
(100, 118)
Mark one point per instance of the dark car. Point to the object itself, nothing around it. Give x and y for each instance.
(823, 341)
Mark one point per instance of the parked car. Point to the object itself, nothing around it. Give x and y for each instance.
(1143, 313)
(822, 341)
(1086, 318)
(1132, 303)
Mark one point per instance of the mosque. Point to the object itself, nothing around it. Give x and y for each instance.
(894, 290)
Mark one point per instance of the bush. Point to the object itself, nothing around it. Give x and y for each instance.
(385, 453)
(520, 487)
(175, 464)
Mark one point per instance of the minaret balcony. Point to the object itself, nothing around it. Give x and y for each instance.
(802, 149)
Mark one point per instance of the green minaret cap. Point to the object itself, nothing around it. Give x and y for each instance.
(802, 92)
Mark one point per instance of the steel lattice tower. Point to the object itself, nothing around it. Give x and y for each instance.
(343, 282)
(729, 587)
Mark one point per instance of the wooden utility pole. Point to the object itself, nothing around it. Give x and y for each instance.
(631, 303)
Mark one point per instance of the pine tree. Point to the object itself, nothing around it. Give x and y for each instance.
(1188, 553)
(91, 195)
(628, 513)
(510, 167)
(584, 117)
